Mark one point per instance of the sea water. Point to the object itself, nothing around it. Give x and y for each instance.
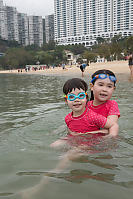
(32, 112)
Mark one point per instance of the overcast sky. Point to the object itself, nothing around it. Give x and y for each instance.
(32, 7)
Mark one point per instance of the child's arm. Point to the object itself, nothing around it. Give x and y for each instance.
(112, 125)
(105, 131)
(114, 130)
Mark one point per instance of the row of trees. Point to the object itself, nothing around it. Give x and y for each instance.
(17, 56)
(115, 49)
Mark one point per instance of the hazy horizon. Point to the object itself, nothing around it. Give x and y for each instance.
(39, 8)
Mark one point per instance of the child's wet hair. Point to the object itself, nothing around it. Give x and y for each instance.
(73, 84)
(103, 71)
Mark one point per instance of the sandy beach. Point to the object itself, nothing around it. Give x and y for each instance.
(120, 67)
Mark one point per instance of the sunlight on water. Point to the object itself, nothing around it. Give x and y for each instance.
(32, 112)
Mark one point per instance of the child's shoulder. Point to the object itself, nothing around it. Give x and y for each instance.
(111, 105)
(89, 103)
(111, 102)
(108, 102)
(68, 116)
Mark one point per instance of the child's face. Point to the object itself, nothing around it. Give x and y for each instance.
(78, 105)
(102, 90)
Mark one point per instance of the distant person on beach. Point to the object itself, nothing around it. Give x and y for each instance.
(63, 66)
(82, 68)
(130, 63)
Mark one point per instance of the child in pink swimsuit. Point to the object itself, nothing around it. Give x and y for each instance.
(83, 123)
(102, 87)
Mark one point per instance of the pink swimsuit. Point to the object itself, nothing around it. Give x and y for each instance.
(110, 107)
(87, 122)
(93, 118)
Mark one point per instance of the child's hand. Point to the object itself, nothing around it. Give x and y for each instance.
(69, 131)
(105, 131)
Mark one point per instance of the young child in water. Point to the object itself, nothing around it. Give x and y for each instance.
(102, 87)
(82, 120)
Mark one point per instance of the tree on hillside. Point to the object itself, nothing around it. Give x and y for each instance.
(100, 40)
(130, 44)
(103, 50)
(116, 38)
(76, 49)
(44, 57)
(18, 57)
(115, 50)
(90, 56)
(32, 47)
(49, 46)
(59, 55)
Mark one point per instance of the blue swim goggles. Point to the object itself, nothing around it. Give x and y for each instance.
(72, 97)
(104, 76)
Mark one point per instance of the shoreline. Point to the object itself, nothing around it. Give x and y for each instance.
(120, 67)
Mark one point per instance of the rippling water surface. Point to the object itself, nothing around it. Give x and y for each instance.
(32, 114)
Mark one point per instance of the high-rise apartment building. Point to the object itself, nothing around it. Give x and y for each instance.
(26, 30)
(82, 21)
(49, 28)
(12, 23)
(23, 29)
(35, 30)
(3, 22)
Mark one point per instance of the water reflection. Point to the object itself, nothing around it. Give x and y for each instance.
(81, 175)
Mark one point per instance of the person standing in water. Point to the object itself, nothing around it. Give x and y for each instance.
(130, 63)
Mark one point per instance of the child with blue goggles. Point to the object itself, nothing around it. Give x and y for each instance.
(101, 93)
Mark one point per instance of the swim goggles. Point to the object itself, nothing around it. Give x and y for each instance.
(104, 76)
(72, 97)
